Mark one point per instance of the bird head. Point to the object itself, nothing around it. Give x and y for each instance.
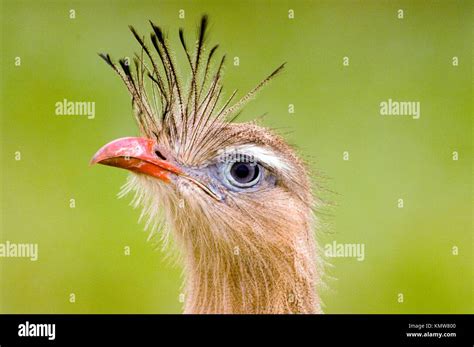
(232, 193)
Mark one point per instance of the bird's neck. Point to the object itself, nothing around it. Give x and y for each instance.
(262, 279)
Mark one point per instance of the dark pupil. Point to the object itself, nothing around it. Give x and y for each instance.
(244, 172)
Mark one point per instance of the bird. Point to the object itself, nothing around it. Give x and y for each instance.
(235, 197)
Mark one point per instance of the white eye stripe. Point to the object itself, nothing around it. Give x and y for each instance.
(263, 155)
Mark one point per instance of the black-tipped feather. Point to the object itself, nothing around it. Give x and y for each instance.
(107, 59)
(193, 130)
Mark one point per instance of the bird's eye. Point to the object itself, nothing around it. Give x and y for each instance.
(243, 175)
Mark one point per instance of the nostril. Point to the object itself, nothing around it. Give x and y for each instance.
(159, 155)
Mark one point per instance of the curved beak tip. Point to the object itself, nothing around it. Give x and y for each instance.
(93, 160)
(135, 154)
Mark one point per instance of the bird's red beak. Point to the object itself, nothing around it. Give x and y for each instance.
(136, 154)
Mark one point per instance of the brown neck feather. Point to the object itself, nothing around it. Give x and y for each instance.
(264, 279)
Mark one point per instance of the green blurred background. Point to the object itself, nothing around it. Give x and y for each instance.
(407, 250)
